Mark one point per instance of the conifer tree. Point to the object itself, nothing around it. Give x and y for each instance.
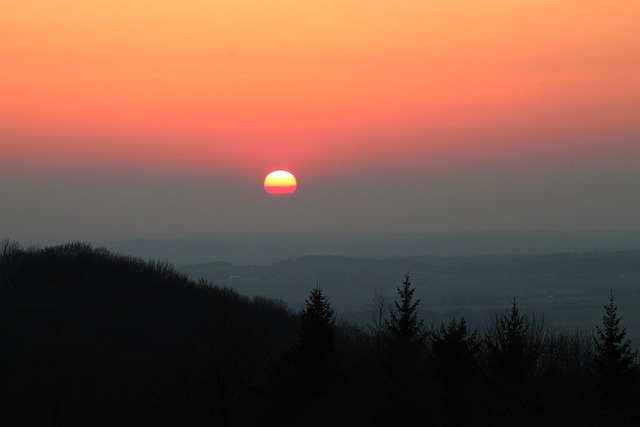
(404, 358)
(513, 348)
(314, 354)
(454, 358)
(404, 329)
(317, 325)
(306, 373)
(454, 351)
(615, 369)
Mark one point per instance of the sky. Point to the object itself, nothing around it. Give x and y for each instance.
(128, 119)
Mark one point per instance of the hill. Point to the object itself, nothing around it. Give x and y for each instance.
(93, 338)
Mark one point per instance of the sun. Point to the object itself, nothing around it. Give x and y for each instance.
(280, 183)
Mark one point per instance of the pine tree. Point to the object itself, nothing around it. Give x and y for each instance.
(314, 354)
(513, 343)
(454, 352)
(306, 374)
(317, 326)
(615, 369)
(454, 358)
(404, 330)
(404, 358)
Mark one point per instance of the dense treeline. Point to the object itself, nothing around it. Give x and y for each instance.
(92, 338)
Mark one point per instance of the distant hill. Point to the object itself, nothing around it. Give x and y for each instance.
(267, 249)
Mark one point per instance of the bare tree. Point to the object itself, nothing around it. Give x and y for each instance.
(381, 306)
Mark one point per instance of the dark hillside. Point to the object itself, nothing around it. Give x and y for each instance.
(89, 338)
(92, 338)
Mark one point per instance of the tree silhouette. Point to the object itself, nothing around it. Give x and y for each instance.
(405, 331)
(454, 357)
(381, 304)
(454, 352)
(307, 372)
(514, 342)
(317, 327)
(405, 357)
(509, 346)
(615, 369)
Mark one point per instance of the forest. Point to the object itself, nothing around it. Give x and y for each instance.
(90, 338)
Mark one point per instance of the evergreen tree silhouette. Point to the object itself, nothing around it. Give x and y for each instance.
(513, 346)
(317, 327)
(454, 357)
(507, 343)
(454, 353)
(615, 371)
(303, 378)
(405, 357)
(406, 333)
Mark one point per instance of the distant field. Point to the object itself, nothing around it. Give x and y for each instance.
(568, 289)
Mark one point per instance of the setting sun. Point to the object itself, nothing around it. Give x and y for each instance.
(280, 183)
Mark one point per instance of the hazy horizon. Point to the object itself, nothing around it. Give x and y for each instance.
(160, 206)
(269, 248)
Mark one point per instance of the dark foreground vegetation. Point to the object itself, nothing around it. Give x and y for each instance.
(90, 338)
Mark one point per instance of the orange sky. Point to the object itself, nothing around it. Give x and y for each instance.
(148, 118)
(246, 86)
